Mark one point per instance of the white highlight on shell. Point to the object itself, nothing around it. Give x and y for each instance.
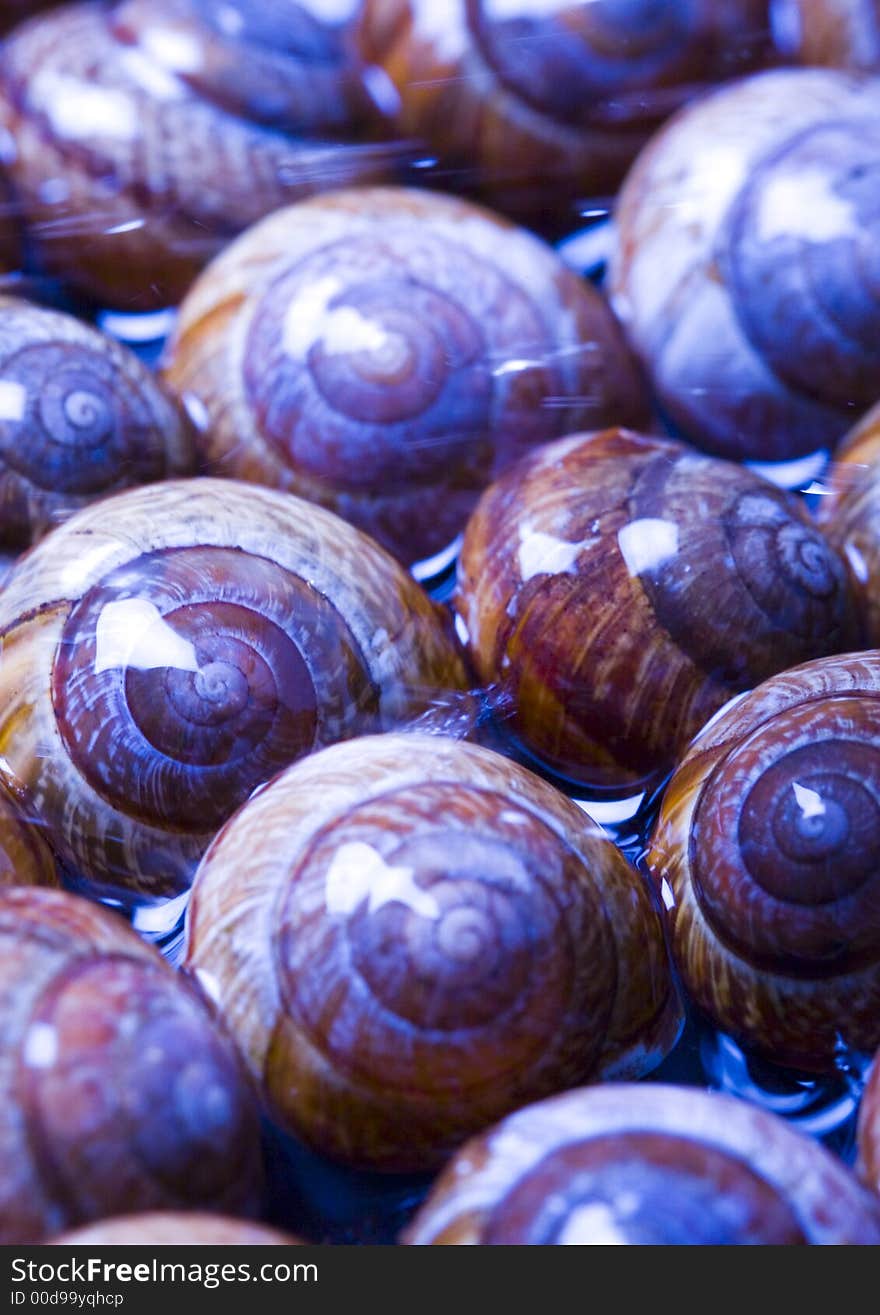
(804, 206)
(151, 76)
(439, 21)
(175, 50)
(857, 562)
(229, 19)
(81, 112)
(809, 801)
(131, 632)
(309, 319)
(358, 872)
(647, 543)
(13, 399)
(40, 1046)
(594, 1224)
(544, 554)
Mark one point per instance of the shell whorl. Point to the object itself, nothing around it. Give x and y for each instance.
(755, 305)
(644, 1165)
(430, 934)
(207, 635)
(80, 417)
(609, 554)
(118, 1090)
(385, 352)
(129, 173)
(536, 107)
(768, 839)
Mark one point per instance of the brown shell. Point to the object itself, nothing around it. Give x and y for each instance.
(80, 417)
(746, 263)
(767, 850)
(646, 1165)
(386, 352)
(836, 33)
(117, 1092)
(170, 649)
(409, 936)
(849, 513)
(168, 1229)
(541, 107)
(617, 590)
(130, 170)
(25, 857)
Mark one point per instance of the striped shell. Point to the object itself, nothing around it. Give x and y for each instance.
(618, 589)
(169, 650)
(645, 1165)
(117, 1092)
(767, 847)
(409, 936)
(386, 352)
(746, 268)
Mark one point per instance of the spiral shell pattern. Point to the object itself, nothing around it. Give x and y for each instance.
(207, 635)
(130, 170)
(80, 417)
(118, 1092)
(618, 589)
(431, 936)
(755, 302)
(551, 100)
(768, 842)
(645, 1165)
(386, 352)
(288, 65)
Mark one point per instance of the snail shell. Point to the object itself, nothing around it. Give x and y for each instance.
(768, 848)
(25, 857)
(540, 105)
(868, 1129)
(133, 162)
(746, 268)
(117, 1092)
(80, 417)
(618, 589)
(409, 936)
(849, 514)
(841, 34)
(166, 1228)
(386, 352)
(645, 1165)
(170, 649)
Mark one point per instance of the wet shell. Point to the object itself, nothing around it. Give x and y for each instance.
(409, 936)
(767, 848)
(849, 513)
(645, 1165)
(169, 650)
(617, 590)
(386, 352)
(117, 1092)
(80, 417)
(746, 268)
(538, 107)
(132, 160)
